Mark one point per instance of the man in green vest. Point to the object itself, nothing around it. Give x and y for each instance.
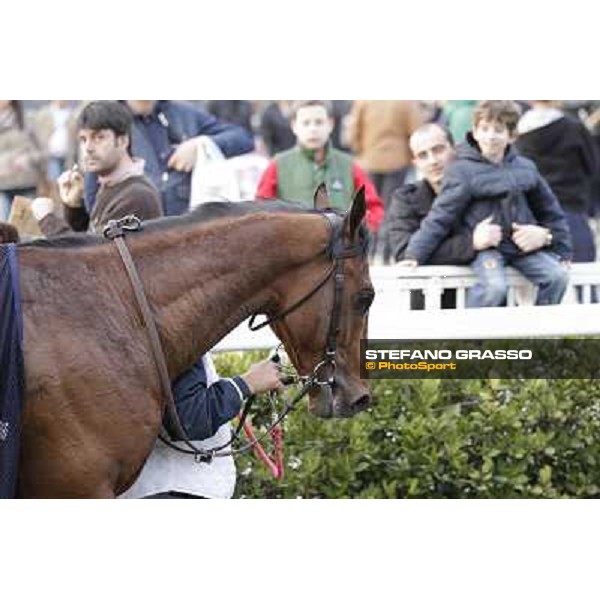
(295, 174)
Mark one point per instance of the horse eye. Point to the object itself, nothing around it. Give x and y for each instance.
(362, 301)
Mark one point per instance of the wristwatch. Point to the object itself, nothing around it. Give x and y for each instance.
(548, 241)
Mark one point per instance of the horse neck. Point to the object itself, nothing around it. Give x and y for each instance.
(202, 281)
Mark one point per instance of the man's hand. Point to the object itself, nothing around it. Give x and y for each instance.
(70, 188)
(263, 377)
(42, 207)
(408, 263)
(184, 157)
(529, 238)
(486, 234)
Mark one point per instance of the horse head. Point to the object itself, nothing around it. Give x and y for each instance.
(322, 334)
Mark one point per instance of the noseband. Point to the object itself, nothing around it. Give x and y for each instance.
(337, 251)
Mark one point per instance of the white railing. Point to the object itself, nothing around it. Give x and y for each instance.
(433, 281)
(391, 318)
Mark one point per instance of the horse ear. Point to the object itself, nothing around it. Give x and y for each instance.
(321, 198)
(357, 212)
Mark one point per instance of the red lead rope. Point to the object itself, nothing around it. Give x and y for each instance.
(273, 462)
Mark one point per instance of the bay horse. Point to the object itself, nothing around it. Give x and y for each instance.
(93, 400)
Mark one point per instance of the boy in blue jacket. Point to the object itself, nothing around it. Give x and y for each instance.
(489, 181)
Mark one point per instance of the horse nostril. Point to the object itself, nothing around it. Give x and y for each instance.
(362, 403)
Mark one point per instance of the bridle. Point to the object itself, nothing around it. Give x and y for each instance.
(336, 250)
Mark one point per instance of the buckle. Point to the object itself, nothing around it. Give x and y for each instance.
(118, 227)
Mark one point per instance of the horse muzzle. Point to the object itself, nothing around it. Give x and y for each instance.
(328, 401)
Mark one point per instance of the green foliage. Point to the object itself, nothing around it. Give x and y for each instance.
(440, 439)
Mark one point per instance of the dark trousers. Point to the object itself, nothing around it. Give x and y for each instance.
(584, 246)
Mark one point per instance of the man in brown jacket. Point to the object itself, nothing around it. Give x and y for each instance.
(379, 131)
(104, 137)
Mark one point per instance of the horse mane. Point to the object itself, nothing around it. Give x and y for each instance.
(212, 211)
(209, 211)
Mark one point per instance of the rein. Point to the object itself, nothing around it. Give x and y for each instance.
(115, 230)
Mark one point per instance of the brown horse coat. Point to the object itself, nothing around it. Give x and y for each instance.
(93, 402)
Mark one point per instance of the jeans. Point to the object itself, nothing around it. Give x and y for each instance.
(541, 268)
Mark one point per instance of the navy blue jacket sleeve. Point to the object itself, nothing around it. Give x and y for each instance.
(232, 139)
(404, 219)
(549, 213)
(203, 408)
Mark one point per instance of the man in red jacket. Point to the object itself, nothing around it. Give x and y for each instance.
(295, 174)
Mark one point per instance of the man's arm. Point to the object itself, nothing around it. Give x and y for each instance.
(76, 217)
(403, 220)
(232, 139)
(456, 249)
(549, 213)
(203, 408)
(141, 200)
(52, 225)
(444, 214)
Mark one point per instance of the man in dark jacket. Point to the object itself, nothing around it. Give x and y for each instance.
(563, 150)
(166, 135)
(489, 181)
(432, 150)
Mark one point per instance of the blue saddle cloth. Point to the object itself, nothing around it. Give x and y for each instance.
(11, 370)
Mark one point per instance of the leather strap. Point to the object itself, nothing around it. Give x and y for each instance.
(115, 230)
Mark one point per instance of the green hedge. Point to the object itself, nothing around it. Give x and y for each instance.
(440, 439)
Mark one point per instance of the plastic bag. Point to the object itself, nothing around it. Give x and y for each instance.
(213, 179)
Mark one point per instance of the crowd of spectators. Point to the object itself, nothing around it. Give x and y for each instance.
(38, 143)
